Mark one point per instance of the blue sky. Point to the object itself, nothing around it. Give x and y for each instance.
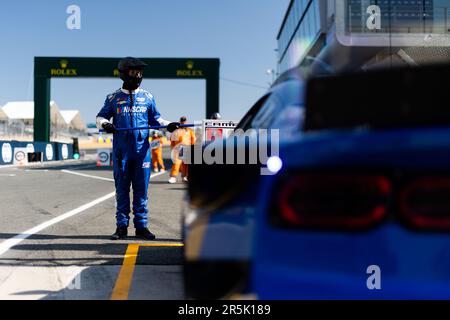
(242, 33)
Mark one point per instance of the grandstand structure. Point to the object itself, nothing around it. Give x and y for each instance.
(17, 120)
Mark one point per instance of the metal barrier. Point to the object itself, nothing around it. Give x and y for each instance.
(14, 152)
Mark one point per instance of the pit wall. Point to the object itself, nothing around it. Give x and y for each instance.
(51, 151)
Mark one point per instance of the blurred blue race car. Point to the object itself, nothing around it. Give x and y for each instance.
(359, 209)
(219, 213)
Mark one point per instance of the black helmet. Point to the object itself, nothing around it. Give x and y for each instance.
(130, 63)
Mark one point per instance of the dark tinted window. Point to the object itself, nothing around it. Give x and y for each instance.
(246, 121)
(267, 114)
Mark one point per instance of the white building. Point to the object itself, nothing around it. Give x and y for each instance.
(24, 111)
(73, 119)
(17, 119)
(3, 116)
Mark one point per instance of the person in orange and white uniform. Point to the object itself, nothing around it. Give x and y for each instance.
(157, 143)
(179, 138)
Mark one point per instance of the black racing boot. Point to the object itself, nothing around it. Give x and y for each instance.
(121, 233)
(145, 234)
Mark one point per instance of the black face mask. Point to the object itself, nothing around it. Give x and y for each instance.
(129, 82)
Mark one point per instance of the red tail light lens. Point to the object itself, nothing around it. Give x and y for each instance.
(334, 201)
(425, 202)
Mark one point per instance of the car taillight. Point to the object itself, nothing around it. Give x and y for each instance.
(334, 200)
(425, 202)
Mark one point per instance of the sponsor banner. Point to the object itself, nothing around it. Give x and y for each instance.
(64, 151)
(217, 129)
(49, 152)
(104, 157)
(6, 156)
(30, 148)
(133, 109)
(20, 156)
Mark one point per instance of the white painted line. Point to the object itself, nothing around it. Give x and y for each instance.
(102, 178)
(87, 175)
(6, 166)
(42, 163)
(7, 175)
(157, 174)
(36, 170)
(9, 243)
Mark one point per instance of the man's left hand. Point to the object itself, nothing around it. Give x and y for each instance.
(171, 127)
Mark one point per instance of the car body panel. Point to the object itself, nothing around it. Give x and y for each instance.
(316, 264)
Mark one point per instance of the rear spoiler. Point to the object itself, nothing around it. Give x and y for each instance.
(391, 98)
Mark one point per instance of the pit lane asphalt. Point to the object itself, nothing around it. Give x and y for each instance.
(41, 266)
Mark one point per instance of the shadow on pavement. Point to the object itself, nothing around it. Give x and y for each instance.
(53, 250)
(85, 237)
(157, 274)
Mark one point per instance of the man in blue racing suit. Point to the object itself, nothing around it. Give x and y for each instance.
(130, 107)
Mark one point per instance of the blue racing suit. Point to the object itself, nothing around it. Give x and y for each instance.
(131, 150)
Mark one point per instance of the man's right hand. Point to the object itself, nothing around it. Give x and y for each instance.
(109, 127)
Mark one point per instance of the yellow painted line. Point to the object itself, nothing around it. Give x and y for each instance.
(123, 282)
(161, 245)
